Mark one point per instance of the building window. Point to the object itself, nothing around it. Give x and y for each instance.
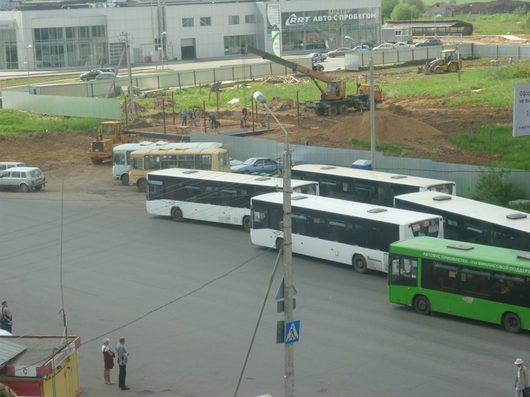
(237, 44)
(250, 19)
(233, 20)
(206, 21)
(187, 22)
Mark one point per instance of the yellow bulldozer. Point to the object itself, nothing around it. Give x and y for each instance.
(110, 134)
(449, 61)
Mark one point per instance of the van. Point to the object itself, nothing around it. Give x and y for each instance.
(4, 165)
(22, 179)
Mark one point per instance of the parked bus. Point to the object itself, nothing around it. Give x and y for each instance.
(356, 234)
(367, 186)
(200, 158)
(475, 281)
(211, 196)
(472, 221)
(121, 158)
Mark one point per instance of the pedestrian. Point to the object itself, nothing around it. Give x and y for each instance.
(6, 318)
(108, 360)
(522, 388)
(184, 116)
(123, 357)
(193, 117)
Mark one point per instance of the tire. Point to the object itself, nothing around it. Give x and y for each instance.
(343, 109)
(332, 111)
(279, 244)
(359, 264)
(141, 185)
(24, 188)
(176, 215)
(97, 161)
(511, 322)
(453, 67)
(247, 224)
(125, 179)
(38, 188)
(422, 305)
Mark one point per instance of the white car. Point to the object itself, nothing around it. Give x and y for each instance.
(317, 56)
(384, 46)
(402, 44)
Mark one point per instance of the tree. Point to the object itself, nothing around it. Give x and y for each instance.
(404, 12)
(387, 6)
(416, 3)
(494, 189)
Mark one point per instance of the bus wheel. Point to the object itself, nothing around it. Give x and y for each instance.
(141, 185)
(176, 214)
(24, 188)
(359, 264)
(125, 179)
(246, 223)
(279, 244)
(422, 305)
(511, 322)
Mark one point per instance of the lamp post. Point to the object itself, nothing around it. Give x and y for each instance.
(162, 48)
(288, 289)
(28, 49)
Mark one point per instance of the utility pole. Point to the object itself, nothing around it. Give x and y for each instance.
(131, 90)
(288, 287)
(372, 112)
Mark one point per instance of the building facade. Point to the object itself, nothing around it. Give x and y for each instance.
(69, 35)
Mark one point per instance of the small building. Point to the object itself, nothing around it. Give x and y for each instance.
(40, 366)
(432, 27)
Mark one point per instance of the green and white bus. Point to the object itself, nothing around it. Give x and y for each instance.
(475, 281)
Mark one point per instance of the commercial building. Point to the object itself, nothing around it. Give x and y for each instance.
(66, 34)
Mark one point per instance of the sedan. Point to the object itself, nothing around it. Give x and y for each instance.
(92, 74)
(317, 56)
(384, 46)
(429, 42)
(362, 47)
(402, 44)
(339, 52)
(256, 164)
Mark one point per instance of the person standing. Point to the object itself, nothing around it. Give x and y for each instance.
(184, 116)
(521, 379)
(123, 357)
(108, 360)
(6, 318)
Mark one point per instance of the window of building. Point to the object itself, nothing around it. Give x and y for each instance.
(237, 44)
(250, 19)
(206, 21)
(233, 20)
(187, 22)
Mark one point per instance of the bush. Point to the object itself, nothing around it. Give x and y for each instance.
(493, 188)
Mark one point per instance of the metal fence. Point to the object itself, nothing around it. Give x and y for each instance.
(465, 176)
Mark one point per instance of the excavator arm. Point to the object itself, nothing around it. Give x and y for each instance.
(334, 90)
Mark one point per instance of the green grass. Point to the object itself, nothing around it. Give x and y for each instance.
(14, 122)
(497, 139)
(459, 2)
(496, 24)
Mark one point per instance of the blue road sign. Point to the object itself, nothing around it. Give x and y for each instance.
(292, 332)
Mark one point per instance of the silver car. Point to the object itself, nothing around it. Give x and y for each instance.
(23, 179)
(4, 165)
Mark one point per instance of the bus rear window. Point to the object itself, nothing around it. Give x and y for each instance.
(429, 228)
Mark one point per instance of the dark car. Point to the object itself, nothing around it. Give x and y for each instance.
(429, 42)
(339, 52)
(92, 74)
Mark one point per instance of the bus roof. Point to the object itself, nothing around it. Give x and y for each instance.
(349, 208)
(165, 150)
(124, 147)
(370, 175)
(470, 208)
(227, 177)
(468, 254)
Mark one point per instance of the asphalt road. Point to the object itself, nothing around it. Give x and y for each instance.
(187, 297)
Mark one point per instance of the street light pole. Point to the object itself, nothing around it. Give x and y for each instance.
(28, 49)
(288, 289)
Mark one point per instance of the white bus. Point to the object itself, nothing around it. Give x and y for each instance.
(209, 195)
(121, 158)
(356, 234)
(367, 186)
(472, 221)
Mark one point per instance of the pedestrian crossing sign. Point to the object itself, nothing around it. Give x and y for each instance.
(292, 332)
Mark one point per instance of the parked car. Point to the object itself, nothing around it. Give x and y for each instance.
(256, 164)
(339, 52)
(384, 46)
(402, 44)
(92, 74)
(429, 42)
(362, 47)
(317, 56)
(4, 165)
(105, 76)
(23, 179)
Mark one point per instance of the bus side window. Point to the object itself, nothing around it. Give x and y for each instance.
(404, 270)
(259, 217)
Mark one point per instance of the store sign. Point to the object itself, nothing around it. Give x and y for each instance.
(293, 19)
(521, 110)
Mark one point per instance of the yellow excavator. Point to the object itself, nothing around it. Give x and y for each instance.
(449, 61)
(333, 98)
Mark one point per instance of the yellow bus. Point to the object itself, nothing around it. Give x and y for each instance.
(145, 160)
